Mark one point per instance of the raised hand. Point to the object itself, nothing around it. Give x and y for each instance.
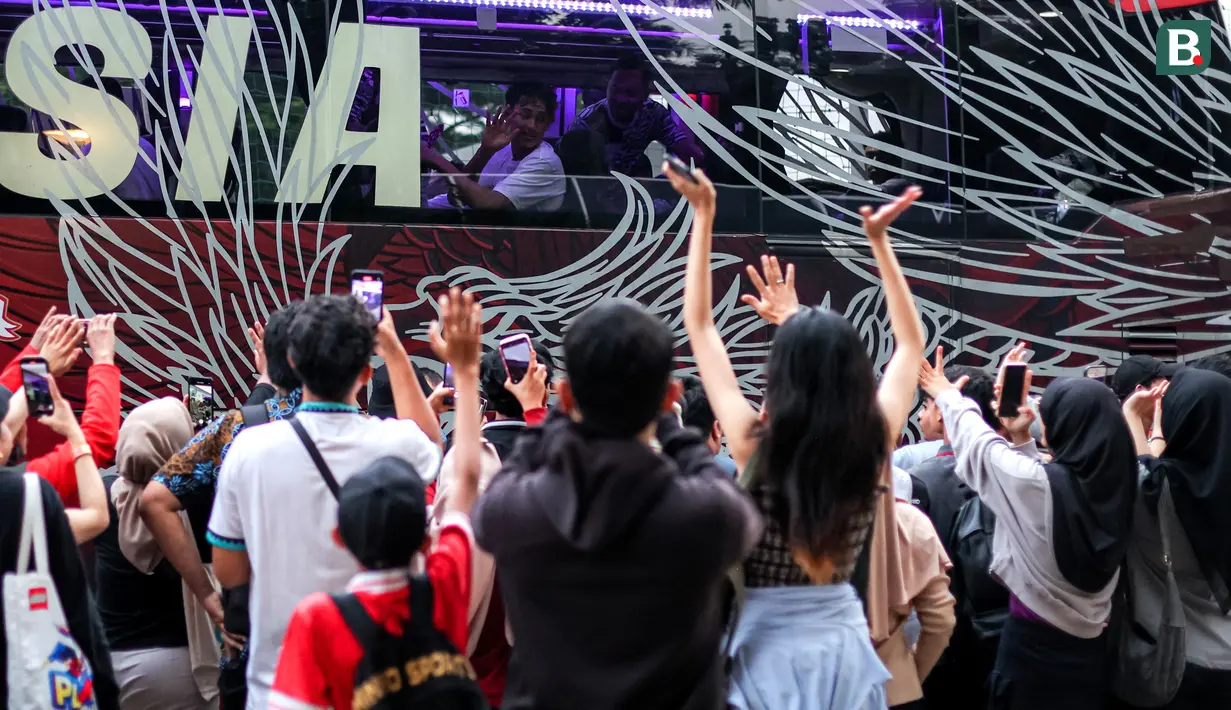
(457, 337)
(1016, 356)
(40, 334)
(61, 347)
(876, 223)
(388, 344)
(777, 298)
(256, 338)
(498, 132)
(101, 338)
(932, 376)
(531, 392)
(1145, 403)
(700, 194)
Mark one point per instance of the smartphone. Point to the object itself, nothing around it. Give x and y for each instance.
(38, 390)
(369, 288)
(1012, 390)
(200, 391)
(679, 167)
(447, 383)
(1097, 373)
(516, 351)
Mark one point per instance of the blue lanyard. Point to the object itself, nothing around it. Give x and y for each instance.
(328, 408)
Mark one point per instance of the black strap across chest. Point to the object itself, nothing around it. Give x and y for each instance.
(316, 456)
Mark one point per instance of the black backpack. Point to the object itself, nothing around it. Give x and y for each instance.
(981, 600)
(420, 669)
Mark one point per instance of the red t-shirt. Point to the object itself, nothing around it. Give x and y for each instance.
(316, 667)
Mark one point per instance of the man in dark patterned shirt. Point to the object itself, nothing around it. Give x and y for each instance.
(612, 135)
(187, 481)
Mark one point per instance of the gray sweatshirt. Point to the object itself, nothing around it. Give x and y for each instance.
(1012, 482)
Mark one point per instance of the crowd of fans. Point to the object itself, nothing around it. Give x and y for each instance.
(581, 541)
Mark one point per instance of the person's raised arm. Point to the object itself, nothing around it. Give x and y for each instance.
(717, 376)
(1141, 405)
(457, 339)
(985, 460)
(92, 518)
(100, 420)
(896, 393)
(264, 388)
(10, 377)
(408, 398)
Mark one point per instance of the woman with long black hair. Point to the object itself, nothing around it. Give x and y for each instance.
(817, 456)
(1195, 464)
(1062, 529)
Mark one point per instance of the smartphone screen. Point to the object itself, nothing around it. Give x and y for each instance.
(515, 351)
(200, 391)
(368, 287)
(1097, 373)
(447, 383)
(38, 390)
(1012, 391)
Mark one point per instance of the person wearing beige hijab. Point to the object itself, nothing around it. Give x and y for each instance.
(163, 645)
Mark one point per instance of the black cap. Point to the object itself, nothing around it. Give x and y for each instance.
(1139, 370)
(380, 399)
(382, 514)
(5, 396)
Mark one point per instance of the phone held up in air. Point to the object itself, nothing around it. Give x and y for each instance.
(369, 287)
(34, 375)
(200, 392)
(447, 383)
(515, 351)
(679, 167)
(1012, 389)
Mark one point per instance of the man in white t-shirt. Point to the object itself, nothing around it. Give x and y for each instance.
(275, 512)
(516, 168)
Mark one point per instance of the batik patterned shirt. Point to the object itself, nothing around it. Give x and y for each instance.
(192, 474)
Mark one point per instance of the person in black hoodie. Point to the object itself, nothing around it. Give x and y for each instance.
(612, 556)
(66, 569)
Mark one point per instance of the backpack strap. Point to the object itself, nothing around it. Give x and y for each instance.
(367, 632)
(316, 457)
(422, 608)
(254, 414)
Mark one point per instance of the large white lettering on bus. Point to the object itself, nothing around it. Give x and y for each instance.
(126, 52)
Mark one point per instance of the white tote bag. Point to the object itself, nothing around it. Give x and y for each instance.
(46, 668)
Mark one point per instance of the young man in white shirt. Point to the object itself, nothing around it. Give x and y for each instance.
(516, 168)
(273, 517)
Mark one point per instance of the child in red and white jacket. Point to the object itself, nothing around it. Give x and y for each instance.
(382, 521)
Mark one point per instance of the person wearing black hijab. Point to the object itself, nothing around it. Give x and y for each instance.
(1061, 532)
(1197, 465)
(1093, 475)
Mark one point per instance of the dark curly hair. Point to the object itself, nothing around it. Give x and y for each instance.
(981, 388)
(697, 412)
(331, 344)
(277, 342)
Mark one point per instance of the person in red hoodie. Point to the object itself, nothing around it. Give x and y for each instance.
(418, 621)
(57, 340)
